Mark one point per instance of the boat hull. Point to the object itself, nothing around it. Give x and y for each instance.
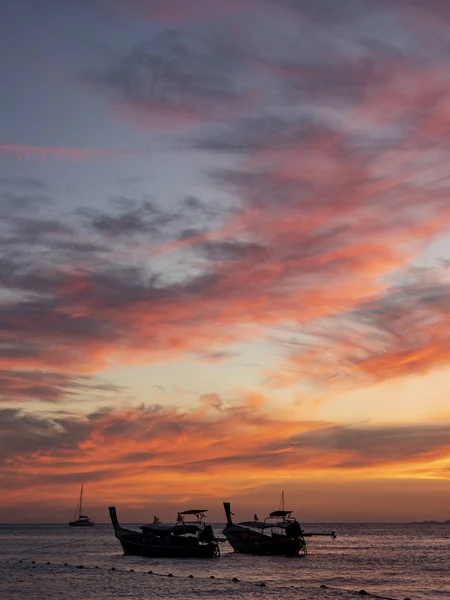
(131, 548)
(82, 520)
(247, 542)
(81, 524)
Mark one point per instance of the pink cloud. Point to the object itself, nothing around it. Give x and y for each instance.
(326, 212)
(400, 333)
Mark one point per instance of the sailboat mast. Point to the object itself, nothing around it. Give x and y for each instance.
(81, 501)
(282, 500)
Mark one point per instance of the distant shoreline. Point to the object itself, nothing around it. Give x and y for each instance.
(431, 522)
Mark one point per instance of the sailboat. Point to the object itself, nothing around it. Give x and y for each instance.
(80, 520)
(279, 534)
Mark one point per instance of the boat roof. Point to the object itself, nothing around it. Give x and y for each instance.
(193, 512)
(280, 513)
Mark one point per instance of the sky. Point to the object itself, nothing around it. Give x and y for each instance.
(225, 258)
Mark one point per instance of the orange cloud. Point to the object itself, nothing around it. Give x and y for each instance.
(151, 451)
(400, 333)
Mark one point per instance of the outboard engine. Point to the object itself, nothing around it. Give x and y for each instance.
(293, 530)
(207, 535)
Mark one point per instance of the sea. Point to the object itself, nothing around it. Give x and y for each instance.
(57, 562)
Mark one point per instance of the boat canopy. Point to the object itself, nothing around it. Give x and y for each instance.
(193, 512)
(280, 513)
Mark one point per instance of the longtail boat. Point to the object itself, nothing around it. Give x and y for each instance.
(278, 534)
(188, 537)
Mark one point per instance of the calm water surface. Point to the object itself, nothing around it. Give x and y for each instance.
(394, 561)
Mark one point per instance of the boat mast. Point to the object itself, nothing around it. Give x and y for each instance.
(81, 501)
(282, 500)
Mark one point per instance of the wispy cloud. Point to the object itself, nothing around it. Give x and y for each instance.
(76, 155)
(300, 264)
(201, 444)
(46, 386)
(401, 333)
(175, 81)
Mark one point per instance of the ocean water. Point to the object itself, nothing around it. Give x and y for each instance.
(42, 562)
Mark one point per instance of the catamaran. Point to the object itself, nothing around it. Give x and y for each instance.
(80, 520)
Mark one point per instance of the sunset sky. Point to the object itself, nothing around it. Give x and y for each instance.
(225, 258)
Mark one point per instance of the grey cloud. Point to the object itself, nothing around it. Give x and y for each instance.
(24, 183)
(233, 250)
(28, 324)
(47, 386)
(75, 477)
(127, 181)
(13, 202)
(132, 218)
(138, 457)
(370, 446)
(193, 203)
(174, 71)
(143, 218)
(25, 433)
(255, 133)
(436, 8)
(13, 479)
(328, 10)
(260, 459)
(33, 229)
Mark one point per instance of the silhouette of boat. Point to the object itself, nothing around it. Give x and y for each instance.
(189, 537)
(81, 520)
(279, 534)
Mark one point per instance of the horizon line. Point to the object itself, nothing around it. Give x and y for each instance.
(423, 522)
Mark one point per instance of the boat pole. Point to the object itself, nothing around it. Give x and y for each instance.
(81, 502)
